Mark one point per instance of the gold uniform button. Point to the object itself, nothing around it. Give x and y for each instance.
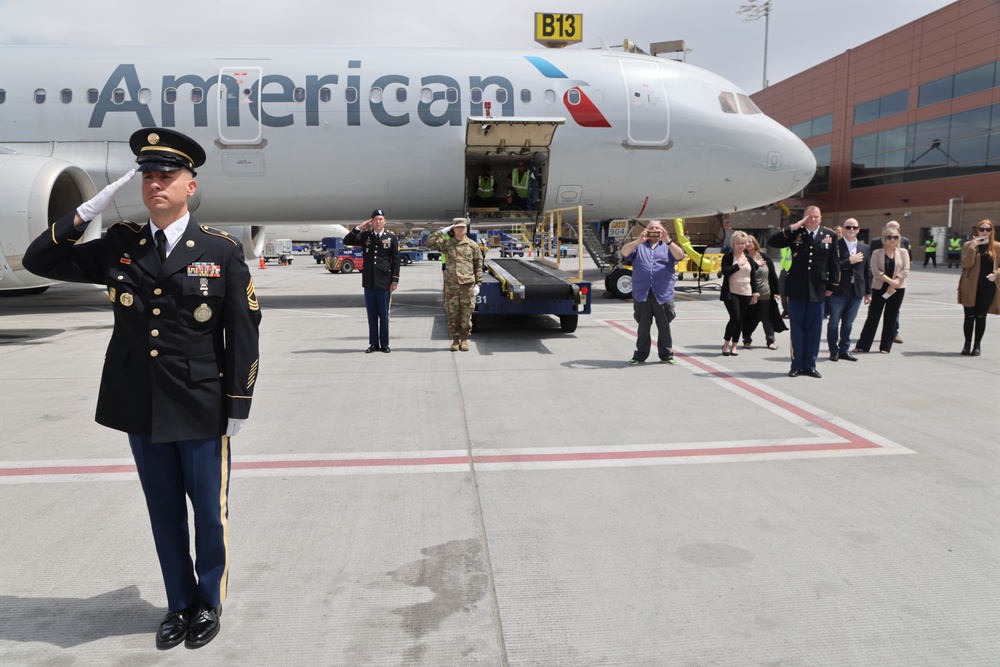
(158, 291)
(154, 353)
(154, 333)
(156, 311)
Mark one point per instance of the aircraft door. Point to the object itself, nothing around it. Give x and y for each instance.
(238, 108)
(648, 113)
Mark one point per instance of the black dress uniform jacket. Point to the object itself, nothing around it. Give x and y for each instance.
(183, 356)
(815, 264)
(855, 279)
(381, 257)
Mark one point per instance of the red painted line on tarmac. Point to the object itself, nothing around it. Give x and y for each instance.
(851, 442)
(352, 463)
(856, 441)
(64, 470)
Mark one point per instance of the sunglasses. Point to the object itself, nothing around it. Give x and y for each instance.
(891, 238)
(850, 227)
(985, 229)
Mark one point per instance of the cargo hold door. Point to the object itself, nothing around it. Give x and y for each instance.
(499, 144)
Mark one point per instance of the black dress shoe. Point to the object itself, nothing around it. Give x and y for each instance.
(966, 351)
(811, 372)
(174, 627)
(794, 372)
(386, 350)
(204, 627)
(834, 356)
(372, 348)
(847, 356)
(976, 352)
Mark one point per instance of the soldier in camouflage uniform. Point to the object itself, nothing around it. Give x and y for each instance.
(462, 277)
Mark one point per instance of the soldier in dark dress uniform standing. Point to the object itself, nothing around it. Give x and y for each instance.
(180, 368)
(813, 276)
(379, 275)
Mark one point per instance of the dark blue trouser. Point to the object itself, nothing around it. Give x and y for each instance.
(645, 313)
(805, 324)
(843, 310)
(377, 305)
(199, 470)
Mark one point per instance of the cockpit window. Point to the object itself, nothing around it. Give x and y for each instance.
(728, 102)
(746, 105)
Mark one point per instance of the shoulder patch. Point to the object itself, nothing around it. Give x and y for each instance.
(133, 227)
(220, 234)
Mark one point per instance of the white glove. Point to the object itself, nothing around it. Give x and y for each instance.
(475, 291)
(234, 426)
(89, 210)
(447, 229)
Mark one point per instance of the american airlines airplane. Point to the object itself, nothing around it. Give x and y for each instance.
(319, 134)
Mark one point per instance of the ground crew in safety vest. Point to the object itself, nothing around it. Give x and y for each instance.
(930, 251)
(955, 250)
(786, 263)
(518, 186)
(485, 189)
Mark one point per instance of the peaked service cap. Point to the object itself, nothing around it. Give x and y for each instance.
(160, 149)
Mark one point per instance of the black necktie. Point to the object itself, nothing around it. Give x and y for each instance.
(161, 245)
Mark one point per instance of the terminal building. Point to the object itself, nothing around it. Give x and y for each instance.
(905, 127)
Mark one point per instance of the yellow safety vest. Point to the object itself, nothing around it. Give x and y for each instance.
(955, 245)
(520, 186)
(486, 186)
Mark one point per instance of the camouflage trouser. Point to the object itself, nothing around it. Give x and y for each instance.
(459, 302)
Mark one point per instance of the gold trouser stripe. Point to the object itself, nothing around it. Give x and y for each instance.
(223, 515)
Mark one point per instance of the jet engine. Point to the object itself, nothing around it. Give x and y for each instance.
(35, 191)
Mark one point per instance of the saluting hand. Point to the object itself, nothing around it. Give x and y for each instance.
(89, 210)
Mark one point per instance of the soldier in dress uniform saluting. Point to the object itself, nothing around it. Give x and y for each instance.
(379, 275)
(181, 366)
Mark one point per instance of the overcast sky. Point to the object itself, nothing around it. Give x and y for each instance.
(802, 33)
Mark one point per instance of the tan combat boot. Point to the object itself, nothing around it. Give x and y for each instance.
(464, 345)
(454, 343)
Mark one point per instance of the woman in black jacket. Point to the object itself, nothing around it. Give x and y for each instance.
(766, 311)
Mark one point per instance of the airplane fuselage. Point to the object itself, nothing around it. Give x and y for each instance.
(316, 134)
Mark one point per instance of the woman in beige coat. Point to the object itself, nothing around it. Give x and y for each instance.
(977, 287)
(890, 266)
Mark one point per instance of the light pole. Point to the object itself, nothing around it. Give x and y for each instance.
(754, 9)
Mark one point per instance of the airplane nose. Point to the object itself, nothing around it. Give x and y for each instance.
(803, 163)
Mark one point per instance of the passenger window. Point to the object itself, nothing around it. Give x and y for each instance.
(325, 95)
(426, 96)
(39, 96)
(93, 95)
(728, 102)
(66, 96)
(3, 95)
(375, 95)
(401, 94)
(145, 96)
(573, 97)
(170, 95)
(550, 97)
(476, 95)
(197, 95)
(118, 96)
(451, 95)
(299, 94)
(502, 96)
(746, 105)
(525, 95)
(351, 95)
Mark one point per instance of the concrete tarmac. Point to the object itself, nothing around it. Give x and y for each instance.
(534, 501)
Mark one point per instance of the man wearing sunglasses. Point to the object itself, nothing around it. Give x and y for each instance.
(855, 287)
